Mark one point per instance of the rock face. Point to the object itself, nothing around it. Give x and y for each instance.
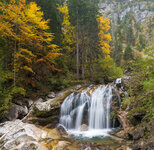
(141, 9)
(17, 111)
(46, 112)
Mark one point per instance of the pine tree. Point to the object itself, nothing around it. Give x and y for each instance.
(128, 55)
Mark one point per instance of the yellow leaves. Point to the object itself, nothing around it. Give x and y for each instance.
(69, 36)
(35, 16)
(18, 56)
(104, 36)
(28, 69)
(103, 23)
(63, 9)
(27, 52)
(13, 1)
(24, 25)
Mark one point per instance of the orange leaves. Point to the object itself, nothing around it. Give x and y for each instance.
(104, 36)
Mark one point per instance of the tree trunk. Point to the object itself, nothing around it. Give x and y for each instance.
(91, 66)
(83, 65)
(77, 51)
(14, 61)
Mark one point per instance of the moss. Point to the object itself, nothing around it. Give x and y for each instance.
(38, 113)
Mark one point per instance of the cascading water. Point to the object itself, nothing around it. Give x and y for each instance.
(95, 111)
(99, 112)
(72, 109)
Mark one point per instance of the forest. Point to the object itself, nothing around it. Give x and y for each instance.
(52, 45)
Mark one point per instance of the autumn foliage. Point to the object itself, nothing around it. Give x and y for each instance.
(68, 31)
(23, 24)
(104, 36)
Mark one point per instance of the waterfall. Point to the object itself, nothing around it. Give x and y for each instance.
(72, 110)
(93, 111)
(99, 115)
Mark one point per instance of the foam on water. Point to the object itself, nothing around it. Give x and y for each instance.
(90, 133)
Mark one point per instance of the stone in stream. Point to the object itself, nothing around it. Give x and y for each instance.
(61, 145)
(83, 127)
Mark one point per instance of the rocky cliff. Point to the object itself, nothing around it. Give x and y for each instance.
(141, 9)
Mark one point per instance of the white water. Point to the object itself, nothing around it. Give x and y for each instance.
(94, 110)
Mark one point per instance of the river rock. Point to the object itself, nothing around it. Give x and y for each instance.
(21, 136)
(83, 127)
(61, 145)
(16, 111)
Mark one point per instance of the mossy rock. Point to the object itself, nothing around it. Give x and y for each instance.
(41, 114)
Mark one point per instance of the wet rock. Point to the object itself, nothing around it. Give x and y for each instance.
(16, 111)
(83, 127)
(62, 129)
(61, 145)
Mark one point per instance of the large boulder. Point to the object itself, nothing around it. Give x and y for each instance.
(23, 102)
(21, 136)
(16, 111)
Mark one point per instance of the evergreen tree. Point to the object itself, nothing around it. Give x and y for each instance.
(128, 55)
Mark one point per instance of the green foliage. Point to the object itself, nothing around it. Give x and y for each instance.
(141, 88)
(106, 70)
(126, 102)
(142, 42)
(128, 55)
(149, 85)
